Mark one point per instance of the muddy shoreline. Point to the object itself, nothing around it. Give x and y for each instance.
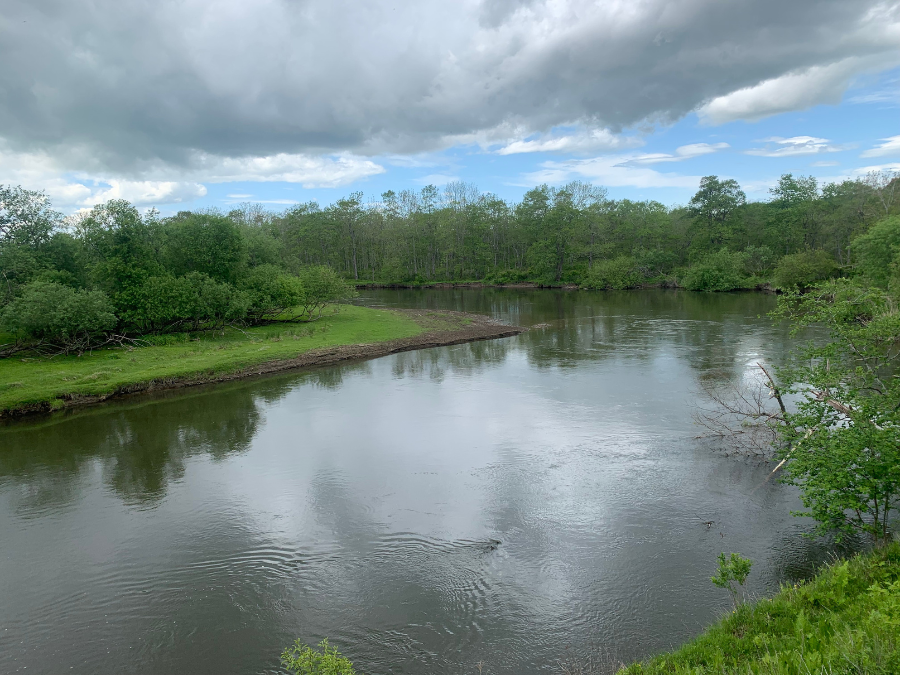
(479, 328)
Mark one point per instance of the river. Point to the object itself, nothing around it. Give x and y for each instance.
(507, 502)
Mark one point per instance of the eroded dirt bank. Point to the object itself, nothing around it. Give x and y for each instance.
(463, 328)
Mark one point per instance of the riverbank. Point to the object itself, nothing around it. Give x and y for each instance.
(845, 620)
(760, 287)
(40, 385)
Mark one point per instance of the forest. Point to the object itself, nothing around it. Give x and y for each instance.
(113, 269)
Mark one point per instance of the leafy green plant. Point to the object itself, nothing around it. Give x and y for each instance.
(804, 269)
(841, 446)
(302, 659)
(50, 312)
(616, 274)
(877, 249)
(732, 570)
(721, 271)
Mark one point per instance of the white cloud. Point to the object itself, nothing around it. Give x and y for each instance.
(794, 146)
(797, 90)
(889, 146)
(310, 171)
(824, 163)
(863, 170)
(144, 192)
(158, 184)
(681, 153)
(581, 141)
(611, 170)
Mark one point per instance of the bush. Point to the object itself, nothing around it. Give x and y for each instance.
(722, 271)
(302, 659)
(804, 269)
(174, 303)
(51, 312)
(271, 291)
(322, 286)
(876, 249)
(616, 274)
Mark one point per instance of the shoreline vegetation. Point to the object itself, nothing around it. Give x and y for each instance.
(846, 619)
(173, 361)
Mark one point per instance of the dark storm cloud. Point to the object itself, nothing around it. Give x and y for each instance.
(126, 83)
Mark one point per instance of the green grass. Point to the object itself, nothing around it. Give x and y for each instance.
(846, 620)
(32, 381)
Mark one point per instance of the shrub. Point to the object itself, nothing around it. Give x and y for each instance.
(616, 274)
(722, 271)
(302, 659)
(322, 286)
(172, 303)
(271, 291)
(51, 312)
(730, 571)
(804, 269)
(877, 248)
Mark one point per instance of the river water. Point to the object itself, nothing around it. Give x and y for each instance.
(507, 502)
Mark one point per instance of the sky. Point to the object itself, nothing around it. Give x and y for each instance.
(184, 104)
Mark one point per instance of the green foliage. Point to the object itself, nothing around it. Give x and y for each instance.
(721, 271)
(758, 259)
(300, 659)
(617, 274)
(846, 620)
(209, 244)
(877, 249)
(730, 571)
(801, 270)
(321, 286)
(270, 291)
(188, 302)
(714, 206)
(842, 443)
(50, 312)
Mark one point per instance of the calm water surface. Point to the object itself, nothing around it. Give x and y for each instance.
(504, 501)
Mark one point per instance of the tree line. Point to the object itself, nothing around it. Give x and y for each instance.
(576, 234)
(116, 269)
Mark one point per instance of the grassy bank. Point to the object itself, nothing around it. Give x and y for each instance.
(42, 383)
(845, 620)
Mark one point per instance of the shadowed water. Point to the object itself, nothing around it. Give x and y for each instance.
(501, 501)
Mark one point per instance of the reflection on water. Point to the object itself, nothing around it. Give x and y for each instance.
(498, 501)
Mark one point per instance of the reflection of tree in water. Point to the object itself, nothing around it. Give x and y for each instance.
(708, 330)
(466, 358)
(141, 447)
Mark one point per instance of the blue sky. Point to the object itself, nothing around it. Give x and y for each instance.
(196, 103)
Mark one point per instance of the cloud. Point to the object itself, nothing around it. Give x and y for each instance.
(611, 171)
(889, 146)
(824, 163)
(239, 196)
(863, 170)
(145, 193)
(159, 84)
(582, 141)
(308, 170)
(159, 183)
(796, 145)
(681, 153)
